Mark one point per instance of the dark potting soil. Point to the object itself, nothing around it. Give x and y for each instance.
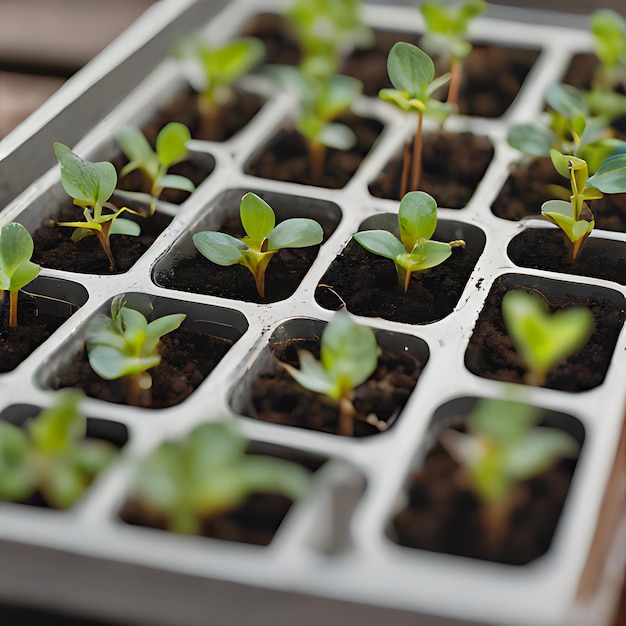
(286, 156)
(55, 249)
(368, 285)
(545, 249)
(526, 190)
(277, 398)
(443, 517)
(490, 352)
(454, 164)
(183, 108)
(188, 356)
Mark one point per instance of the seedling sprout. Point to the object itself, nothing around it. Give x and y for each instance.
(543, 339)
(16, 268)
(501, 448)
(262, 241)
(197, 479)
(348, 357)
(412, 73)
(447, 22)
(126, 346)
(171, 148)
(51, 457)
(414, 251)
(91, 185)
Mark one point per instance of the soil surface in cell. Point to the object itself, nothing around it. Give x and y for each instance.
(454, 164)
(443, 516)
(188, 356)
(491, 354)
(546, 249)
(254, 521)
(277, 398)
(55, 249)
(286, 156)
(368, 285)
(527, 188)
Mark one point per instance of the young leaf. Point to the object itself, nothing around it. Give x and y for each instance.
(219, 248)
(410, 69)
(380, 242)
(417, 218)
(297, 232)
(16, 248)
(257, 217)
(171, 143)
(530, 140)
(611, 175)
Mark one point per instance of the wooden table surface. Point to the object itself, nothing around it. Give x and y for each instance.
(44, 42)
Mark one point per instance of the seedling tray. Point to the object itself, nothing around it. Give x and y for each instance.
(334, 559)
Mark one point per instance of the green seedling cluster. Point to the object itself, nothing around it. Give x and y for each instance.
(327, 31)
(171, 148)
(91, 185)
(214, 70)
(208, 474)
(575, 217)
(414, 251)
(447, 23)
(543, 339)
(502, 447)
(125, 346)
(51, 456)
(348, 357)
(16, 268)
(412, 73)
(262, 241)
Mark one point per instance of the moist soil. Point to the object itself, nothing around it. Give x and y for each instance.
(490, 352)
(277, 398)
(55, 249)
(546, 249)
(188, 356)
(492, 75)
(286, 156)
(442, 516)
(368, 285)
(527, 189)
(32, 330)
(454, 164)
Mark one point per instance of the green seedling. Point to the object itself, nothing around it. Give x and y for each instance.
(502, 447)
(412, 73)
(321, 102)
(125, 346)
(608, 30)
(16, 268)
(575, 217)
(348, 357)
(262, 241)
(447, 22)
(91, 185)
(327, 32)
(171, 148)
(569, 130)
(51, 457)
(414, 251)
(195, 480)
(543, 339)
(214, 70)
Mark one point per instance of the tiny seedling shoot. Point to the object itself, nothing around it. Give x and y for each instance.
(412, 73)
(327, 31)
(348, 357)
(91, 185)
(543, 339)
(51, 457)
(16, 268)
(575, 217)
(212, 71)
(126, 346)
(447, 22)
(195, 480)
(414, 251)
(171, 148)
(262, 241)
(501, 448)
